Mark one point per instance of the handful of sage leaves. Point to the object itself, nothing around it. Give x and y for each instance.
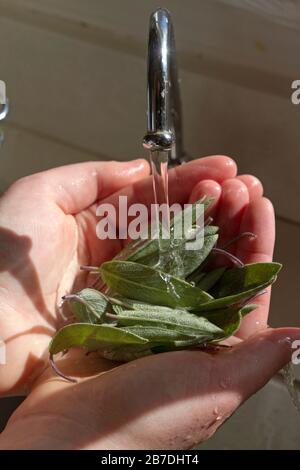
(144, 310)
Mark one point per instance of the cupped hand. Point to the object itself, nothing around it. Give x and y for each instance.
(48, 229)
(167, 401)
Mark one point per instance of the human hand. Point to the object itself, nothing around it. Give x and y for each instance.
(171, 400)
(47, 230)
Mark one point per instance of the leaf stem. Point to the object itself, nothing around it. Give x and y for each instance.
(58, 372)
(76, 298)
(238, 237)
(208, 221)
(111, 315)
(230, 256)
(91, 269)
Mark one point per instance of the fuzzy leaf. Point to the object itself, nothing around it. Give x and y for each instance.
(126, 353)
(188, 214)
(88, 306)
(248, 277)
(156, 334)
(196, 277)
(147, 251)
(133, 248)
(208, 281)
(239, 284)
(192, 259)
(117, 309)
(92, 337)
(183, 322)
(210, 230)
(128, 304)
(146, 284)
(229, 319)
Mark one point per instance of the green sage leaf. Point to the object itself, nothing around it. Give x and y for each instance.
(210, 230)
(179, 221)
(129, 304)
(146, 284)
(183, 322)
(88, 306)
(156, 334)
(147, 251)
(208, 281)
(228, 319)
(126, 353)
(239, 284)
(248, 277)
(192, 259)
(92, 337)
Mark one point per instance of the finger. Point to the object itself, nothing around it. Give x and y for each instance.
(234, 199)
(258, 218)
(76, 187)
(182, 179)
(184, 185)
(254, 362)
(210, 189)
(254, 185)
(217, 168)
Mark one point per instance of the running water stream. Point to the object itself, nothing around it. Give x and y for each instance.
(170, 252)
(159, 168)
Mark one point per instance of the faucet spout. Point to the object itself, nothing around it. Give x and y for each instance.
(163, 94)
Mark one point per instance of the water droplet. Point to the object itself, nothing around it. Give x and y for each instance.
(287, 340)
(223, 384)
(217, 415)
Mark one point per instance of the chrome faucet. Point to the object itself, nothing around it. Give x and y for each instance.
(163, 93)
(3, 113)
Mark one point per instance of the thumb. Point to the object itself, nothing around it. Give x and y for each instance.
(76, 187)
